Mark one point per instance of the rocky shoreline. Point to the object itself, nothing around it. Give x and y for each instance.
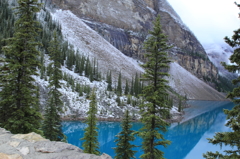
(34, 146)
(176, 117)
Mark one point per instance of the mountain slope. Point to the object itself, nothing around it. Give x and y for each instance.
(184, 83)
(87, 40)
(125, 24)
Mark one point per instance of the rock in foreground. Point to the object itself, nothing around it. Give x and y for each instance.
(34, 146)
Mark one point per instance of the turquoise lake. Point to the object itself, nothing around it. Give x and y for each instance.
(188, 138)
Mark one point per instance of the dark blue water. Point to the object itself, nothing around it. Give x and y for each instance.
(188, 138)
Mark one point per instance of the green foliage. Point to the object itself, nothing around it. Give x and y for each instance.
(68, 56)
(52, 122)
(109, 81)
(79, 89)
(124, 147)
(134, 102)
(132, 88)
(42, 68)
(87, 90)
(6, 23)
(48, 27)
(22, 59)
(224, 85)
(136, 86)
(91, 144)
(119, 86)
(180, 105)
(126, 91)
(78, 68)
(233, 115)
(20, 106)
(70, 59)
(129, 99)
(118, 100)
(155, 107)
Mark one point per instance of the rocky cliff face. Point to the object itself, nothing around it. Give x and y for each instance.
(125, 24)
(197, 64)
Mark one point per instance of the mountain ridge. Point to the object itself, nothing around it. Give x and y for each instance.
(91, 44)
(126, 24)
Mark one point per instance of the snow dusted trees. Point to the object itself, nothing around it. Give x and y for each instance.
(124, 147)
(91, 144)
(155, 108)
(18, 92)
(233, 116)
(52, 122)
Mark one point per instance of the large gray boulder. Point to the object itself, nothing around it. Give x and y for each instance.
(34, 146)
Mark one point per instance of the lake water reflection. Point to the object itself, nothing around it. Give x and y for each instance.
(188, 138)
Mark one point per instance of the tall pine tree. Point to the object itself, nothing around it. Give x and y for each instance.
(91, 144)
(233, 116)
(126, 90)
(109, 81)
(155, 107)
(136, 85)
(119, 86)
(52, 128)
(124, 147)
(18, 104)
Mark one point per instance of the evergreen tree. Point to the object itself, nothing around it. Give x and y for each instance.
(18, 92)
(124, 147)
(6, 23)
(233, 116)
(79, 89)
(78, 63)
(129, 99)
(42, 69)
(126, 91)
(118, 100)
(70, 58)
(63, 52)
(52, 122)
(87, 68)
(83, 59)
(87, 90)
(141, 87)
(109, 81)
(91, 144)
(132, 88)
(155, 107)
(95, 69)
(136, 85)
(180, 105)
(119, 86)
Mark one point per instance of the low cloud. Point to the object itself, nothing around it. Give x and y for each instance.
(210, 20)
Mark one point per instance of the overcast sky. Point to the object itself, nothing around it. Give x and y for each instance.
(209, 20)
